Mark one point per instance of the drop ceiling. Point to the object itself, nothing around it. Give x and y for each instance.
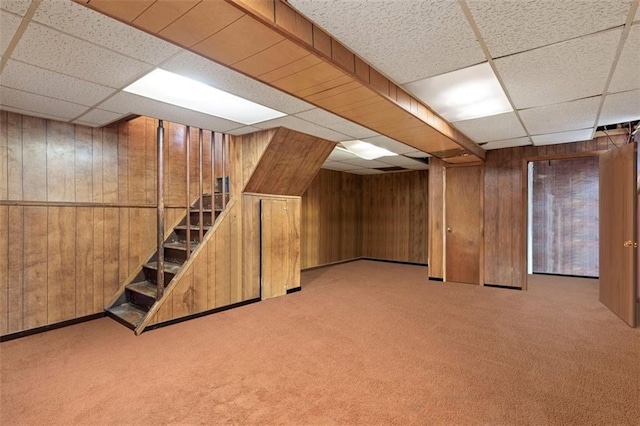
(566, 67)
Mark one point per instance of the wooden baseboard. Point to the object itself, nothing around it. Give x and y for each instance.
(324, 265)
(38, 330)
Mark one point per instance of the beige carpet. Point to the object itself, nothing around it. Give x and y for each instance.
(363, 343)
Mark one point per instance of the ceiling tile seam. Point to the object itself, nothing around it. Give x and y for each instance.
(563, 131)
(19, 33)
(323, 126)
(64, 74)
(485, 49)
(35, 114)
(616, 59)
(597, 95)
(55, 99)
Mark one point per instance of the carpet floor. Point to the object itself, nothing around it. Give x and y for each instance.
(363, 343)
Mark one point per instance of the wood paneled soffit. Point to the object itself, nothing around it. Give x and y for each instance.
(271, 42)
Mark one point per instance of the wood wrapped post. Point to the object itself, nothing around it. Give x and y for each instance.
(200, 212)
(223, 190)
(188, 191)
(213, 178)
(160, 202)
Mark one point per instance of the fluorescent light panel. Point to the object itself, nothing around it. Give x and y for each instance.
(366, 150)
(464, 94)
(174, 89)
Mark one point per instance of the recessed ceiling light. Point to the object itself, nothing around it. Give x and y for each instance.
(366, 150)
(464, 94)
(174, 89)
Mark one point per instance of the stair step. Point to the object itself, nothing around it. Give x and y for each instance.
(193, 228)
(170, 267)
(145, 288)
(127, 314)
(181, 245)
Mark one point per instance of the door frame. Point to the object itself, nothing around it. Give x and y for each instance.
(525, 198)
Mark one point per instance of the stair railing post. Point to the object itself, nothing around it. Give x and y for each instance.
(223, 190)
(188, 191)
(200, 212)
(213, 178)
(160, 202)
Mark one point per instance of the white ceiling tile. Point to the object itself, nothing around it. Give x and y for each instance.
(127, 103)
(390, 144)
(39, 104)
(366, 172)
(208, 72)
(370, 164)
(19, 75)
(9, 26)
(243, 130)
(514, 26)
(400, 161)
(627, 73)
(62, 53)
(334, 122)
(406, 40)
(99, 117)
(340, 155)
(495, 127)
(92, 26)
(561, 117)
(33, 113)
(336, 165)
(295, 123)
(562, 72)
(19, 7)
(620, 108)
(417, 154)
(564, 137)
(507, 143)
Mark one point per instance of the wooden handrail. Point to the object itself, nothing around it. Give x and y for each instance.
(188, 197)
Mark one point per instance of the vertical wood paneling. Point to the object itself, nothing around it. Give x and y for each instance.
(83, 164)
(35, 308)
(136, 157)
(110, 164)
(150, 161)
(14, 156)
(96, 162)
(436, 218)
(200, 280)
(222, 271)
(123, 240)
(61, 278)
(4, 156)
(4, 270)
(15, 274)
(60, 162)
(111, 252)
(34, 159)
(98, 259)
(84, 261)
(123, 159)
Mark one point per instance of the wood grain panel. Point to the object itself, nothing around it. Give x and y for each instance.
(293, 22)
(123, 162)
(110, 166)
(4, 156)
(228, 48)
(15, 274)
(395, 212)
(14, 156)
(463, 222)
(436, 218)
(343, 56)
(251, 246)
(34, 153)
(84, 261)
(121, 9)
(35, 267)
(4, 270)
(289, 163)
(565, 216)
(60, 162)
(83, 164)
(135, 157)
(196, 25)
(162, 13)
(98, 259)
(61, 276)
(331, 223)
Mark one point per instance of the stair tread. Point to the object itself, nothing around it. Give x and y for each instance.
(204, 210)
(170, 267)
(129, 313)
(144, 287)
(193, 227)
(180, 245)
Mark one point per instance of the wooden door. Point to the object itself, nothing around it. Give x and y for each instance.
(618, 231)
(463, 224)
(280, 246)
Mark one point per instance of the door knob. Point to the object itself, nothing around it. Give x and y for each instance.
(630, 244)
(449, 230)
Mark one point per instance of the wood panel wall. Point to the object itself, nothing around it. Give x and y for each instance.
(436, 218)
(505, 207)
(565, 216)
(395, 213)
(347, 216)
(331, 219)
(77, 213)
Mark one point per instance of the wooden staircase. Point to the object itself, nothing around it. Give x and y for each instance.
(134, 302)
